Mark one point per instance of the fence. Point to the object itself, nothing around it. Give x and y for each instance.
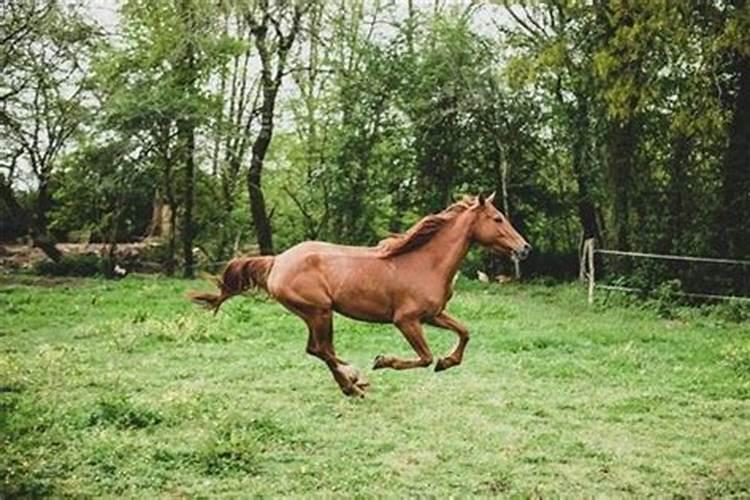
(588, 271)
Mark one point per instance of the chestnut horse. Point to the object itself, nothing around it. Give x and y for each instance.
(405, 280)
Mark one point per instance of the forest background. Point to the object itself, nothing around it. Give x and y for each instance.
(219, 127)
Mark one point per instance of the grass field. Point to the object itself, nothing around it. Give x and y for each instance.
(126, 389)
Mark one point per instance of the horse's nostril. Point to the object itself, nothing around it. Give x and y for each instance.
(524, 251)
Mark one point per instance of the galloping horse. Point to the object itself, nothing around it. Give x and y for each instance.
(405, 280)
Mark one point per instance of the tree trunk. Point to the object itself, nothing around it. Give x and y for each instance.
(41, 238)
(621, 132)
(186, 132)
(735, 192)
(18, 215)
(258, 212)
(261, 221)
(172, 245)
(110, 257)
(187, 75)
(270, 83)
(228, 190)
(581, 170)
(621, 149)
(47, 244)
(171, 234)
(168, 158)
(678, 216)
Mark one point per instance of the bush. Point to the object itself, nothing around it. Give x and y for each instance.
(736, 311)
(70, 265)
(667, 297)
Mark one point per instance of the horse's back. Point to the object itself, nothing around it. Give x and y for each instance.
(326, 248)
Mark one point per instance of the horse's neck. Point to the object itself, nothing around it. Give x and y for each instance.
(449, 247)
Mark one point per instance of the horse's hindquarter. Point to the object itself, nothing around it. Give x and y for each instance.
(350, 280)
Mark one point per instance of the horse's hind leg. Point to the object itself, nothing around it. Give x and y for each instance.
(412, 330)
(442, 320)
(320, 345)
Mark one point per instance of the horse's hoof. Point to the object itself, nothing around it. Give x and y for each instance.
(349, 372)
(379, 362)
(354, 376)
(354, 391)
(441, 365)
(363, 387)
(362, 383)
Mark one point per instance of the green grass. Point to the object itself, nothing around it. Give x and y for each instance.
(126, 389)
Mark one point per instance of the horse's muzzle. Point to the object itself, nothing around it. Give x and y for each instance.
(523, 252)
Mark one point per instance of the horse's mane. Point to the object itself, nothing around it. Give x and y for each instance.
(423, 231)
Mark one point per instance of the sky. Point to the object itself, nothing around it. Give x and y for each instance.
(105, 12)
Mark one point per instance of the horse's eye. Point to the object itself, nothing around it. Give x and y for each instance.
(498, 219)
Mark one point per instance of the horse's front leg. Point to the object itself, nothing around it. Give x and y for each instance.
(442, 320)
(412, 330)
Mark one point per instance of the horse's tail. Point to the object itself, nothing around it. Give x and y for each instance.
(241, 274)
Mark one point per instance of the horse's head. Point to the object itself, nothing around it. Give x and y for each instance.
(493, 230)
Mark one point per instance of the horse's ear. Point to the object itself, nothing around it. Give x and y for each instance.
(491, 197)
(479, 202)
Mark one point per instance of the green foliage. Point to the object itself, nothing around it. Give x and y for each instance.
(737, 311)
(666, 297)
(45, 102)
(399, 144)
(610, 119)
(70, 265)
(105, 192)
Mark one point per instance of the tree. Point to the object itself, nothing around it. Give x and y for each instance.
(237, 113)
(274, 28)
(105, 189)
(20, 24)
(186, 80)
(735, 190)
(44, 92)
(556, 43)
(153, 90)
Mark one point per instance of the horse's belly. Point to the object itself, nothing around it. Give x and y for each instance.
(365, 305)
(364, 314)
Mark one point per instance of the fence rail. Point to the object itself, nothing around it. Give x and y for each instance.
(589, 271)
(674, 257)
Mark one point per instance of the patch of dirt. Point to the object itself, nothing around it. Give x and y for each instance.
(14, 256)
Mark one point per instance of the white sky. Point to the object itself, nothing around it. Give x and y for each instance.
(105, 11)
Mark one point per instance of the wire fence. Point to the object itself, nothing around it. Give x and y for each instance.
(588, 272)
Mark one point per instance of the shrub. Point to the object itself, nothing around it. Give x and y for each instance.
(666, 297)
(70, 265)
(736, 311)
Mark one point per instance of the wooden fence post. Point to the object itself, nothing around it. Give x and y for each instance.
(582, 246)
